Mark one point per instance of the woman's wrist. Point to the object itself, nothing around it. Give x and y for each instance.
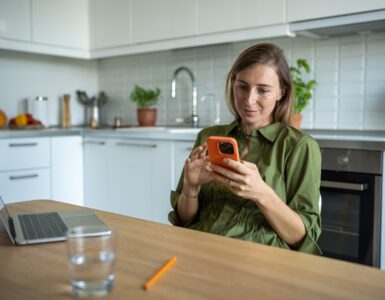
(184, 195)
(190, 192)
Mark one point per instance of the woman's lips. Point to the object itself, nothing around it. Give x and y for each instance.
(251, 112)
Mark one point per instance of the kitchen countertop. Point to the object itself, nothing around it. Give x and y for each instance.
(344, 139)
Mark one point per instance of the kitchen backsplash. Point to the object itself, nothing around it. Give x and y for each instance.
(350, 71)
(24, 75)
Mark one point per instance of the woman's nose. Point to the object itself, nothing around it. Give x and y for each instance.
(252, 96)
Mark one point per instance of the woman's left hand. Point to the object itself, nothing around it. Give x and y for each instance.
(242, 178)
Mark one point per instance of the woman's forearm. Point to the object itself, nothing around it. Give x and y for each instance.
(285, 221)
(187, 207)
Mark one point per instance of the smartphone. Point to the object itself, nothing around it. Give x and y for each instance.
(220, 147)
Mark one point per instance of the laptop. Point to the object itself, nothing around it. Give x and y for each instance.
(36, 228)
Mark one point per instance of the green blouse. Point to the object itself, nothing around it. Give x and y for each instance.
(289, 162)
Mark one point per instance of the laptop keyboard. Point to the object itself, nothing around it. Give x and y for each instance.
(41, 226)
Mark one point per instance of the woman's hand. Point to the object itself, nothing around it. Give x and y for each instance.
(195, 171)
(243, 178)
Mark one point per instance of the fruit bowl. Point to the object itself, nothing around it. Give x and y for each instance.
(26, 127)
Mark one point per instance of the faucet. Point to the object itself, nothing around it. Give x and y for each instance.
(194, 120)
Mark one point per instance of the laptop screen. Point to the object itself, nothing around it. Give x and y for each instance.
(5, 218)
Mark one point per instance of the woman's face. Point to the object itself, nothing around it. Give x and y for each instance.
(256, 90)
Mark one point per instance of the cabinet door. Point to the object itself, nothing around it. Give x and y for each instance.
(67, 169)
(25, 185)
(160, 20)
(61, 23)
(181, 152)
(110, 23)
(95, 173)
(15, 19)
(298, 10)
(219, 15)
(24, 153)
(140, 173)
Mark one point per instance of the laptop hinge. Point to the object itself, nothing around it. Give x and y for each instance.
(11, 228)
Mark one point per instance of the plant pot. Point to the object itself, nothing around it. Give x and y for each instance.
(146, 116)
(297, 120)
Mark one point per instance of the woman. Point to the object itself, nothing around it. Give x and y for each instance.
(272, 195)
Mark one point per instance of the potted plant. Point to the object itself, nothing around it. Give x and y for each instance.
(302, 90)
(145, 100)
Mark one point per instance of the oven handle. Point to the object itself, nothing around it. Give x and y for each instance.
(344, 185)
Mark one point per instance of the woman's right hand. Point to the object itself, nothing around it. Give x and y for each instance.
(195, 172)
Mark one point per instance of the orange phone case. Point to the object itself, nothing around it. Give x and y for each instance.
(215, 150)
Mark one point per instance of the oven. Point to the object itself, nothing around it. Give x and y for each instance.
(351, 205)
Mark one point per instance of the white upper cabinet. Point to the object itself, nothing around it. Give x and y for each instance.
(154, 20)
(61, 23)
(110, 23)
(15, 19)
(219, 15)
(299, 10)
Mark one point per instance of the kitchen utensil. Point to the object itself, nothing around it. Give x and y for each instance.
(66, 116)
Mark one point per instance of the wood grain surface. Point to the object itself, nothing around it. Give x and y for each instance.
(208, 266)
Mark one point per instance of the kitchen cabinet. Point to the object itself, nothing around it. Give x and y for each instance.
(67, 169)
(128, 176)
(238, 15)
(25, 169)
(61, 23)
(96, 188)
(110, 23)
(299, 10)
(181, 151)
(154, 20)
(15, 20)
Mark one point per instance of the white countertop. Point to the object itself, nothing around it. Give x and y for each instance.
(348, 139)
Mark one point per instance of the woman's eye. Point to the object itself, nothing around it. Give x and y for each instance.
(263, 91)
(242, 87)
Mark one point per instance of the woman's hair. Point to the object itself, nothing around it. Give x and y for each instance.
(271, 55)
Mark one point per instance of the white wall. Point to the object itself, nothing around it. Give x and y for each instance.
(24, 75)
(350, 71)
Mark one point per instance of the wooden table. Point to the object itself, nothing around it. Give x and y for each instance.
(208, 266)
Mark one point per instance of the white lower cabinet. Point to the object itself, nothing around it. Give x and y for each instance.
(25, 169)
(181, 151)
(67, 169)
(129, 176)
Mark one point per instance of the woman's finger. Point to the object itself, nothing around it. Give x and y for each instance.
(195, 153)
(203, 151)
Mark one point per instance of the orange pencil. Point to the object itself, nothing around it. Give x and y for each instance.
(157, 275)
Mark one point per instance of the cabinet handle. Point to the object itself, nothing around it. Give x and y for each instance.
(22, 144)
(136, 145)
(344, 185)
(23, 177)
(95, 142)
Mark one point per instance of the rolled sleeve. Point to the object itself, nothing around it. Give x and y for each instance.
(303, 175)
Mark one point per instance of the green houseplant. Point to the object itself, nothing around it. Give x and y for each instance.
(145, 100)
(302, 89)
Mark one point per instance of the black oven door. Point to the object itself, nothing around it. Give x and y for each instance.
(347, 215)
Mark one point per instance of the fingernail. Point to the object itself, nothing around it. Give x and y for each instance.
(225, 160)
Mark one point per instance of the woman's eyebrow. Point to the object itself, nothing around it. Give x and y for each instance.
(258, 84)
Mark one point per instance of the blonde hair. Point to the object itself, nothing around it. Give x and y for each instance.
(272, 55)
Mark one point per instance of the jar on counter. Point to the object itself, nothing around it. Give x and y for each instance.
(38, 107)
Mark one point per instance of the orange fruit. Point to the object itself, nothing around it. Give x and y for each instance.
(3, 119)
(21, 120)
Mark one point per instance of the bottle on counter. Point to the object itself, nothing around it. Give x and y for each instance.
(66, 115)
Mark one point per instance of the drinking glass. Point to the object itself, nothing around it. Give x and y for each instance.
(91, 257)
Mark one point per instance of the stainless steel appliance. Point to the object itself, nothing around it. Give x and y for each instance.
(351, 205)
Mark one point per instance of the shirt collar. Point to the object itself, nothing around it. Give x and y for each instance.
(270, 132)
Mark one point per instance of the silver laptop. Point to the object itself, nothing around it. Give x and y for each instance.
(47, 227)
